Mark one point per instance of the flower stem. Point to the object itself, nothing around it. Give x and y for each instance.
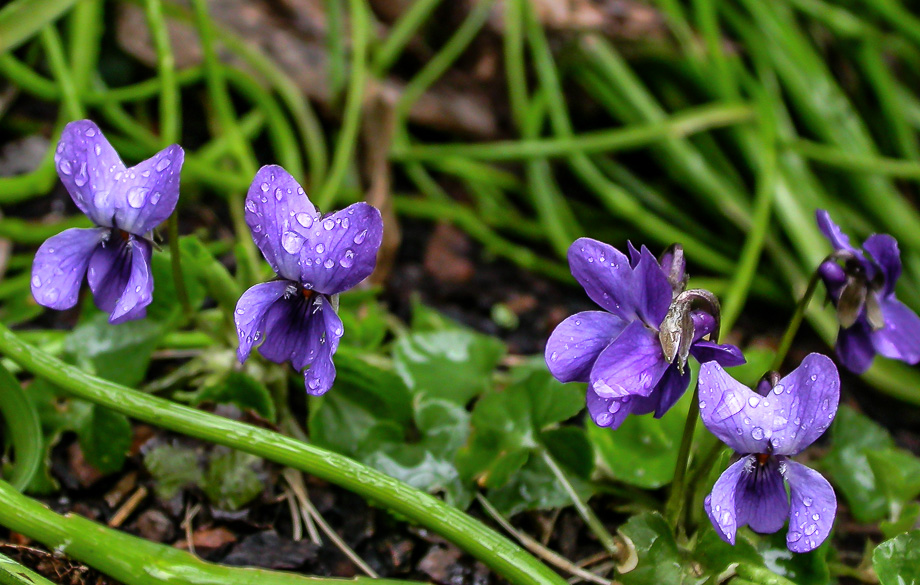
(794, 323)
(138, 562)
(674, 506)
(584, 510)
(503, 556)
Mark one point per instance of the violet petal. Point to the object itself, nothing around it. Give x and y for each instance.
(726, 354)
(761, 501)
(854, 347)
(324, 332)
(899, 338)
(341, 249)
(281, 217)
(654, 293)
(88, 165)
(732, 411)
(833, 233)
(813, 508)
(804, 403)
(147, 193)
(119, 276)
(884, 251)
(60, 264)
(576, 343)
(721, 505)
(606, 275)
(250, 313)
(630, 366)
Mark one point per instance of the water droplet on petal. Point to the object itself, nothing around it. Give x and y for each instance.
(90, 132)
(794, 536)
(345, 223)
(66, 168)
(155, 198)
(264, 187)
(825, 404)
(553, 356)
(348, 259)
(329, 224)
(614, 406)
(278, 194)
(754, 401)
(360, 237)
(811, 529)
(251, 205)
(81, 178)
(778, 389)
(757, 433)
(292, 242)
(137, 196)
(320, 248)
(313, 383)
(51, 295)
(163, 163)
(329, 263)
(36, 281)
(702, 404)
(304, 219)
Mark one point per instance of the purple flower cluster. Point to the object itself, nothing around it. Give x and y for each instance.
(861, 284)
(619, 351)
(316, 257)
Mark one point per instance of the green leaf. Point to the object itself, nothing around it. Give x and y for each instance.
(366, 325)
(12, 573)
(173, 468)
(427, 464)
(901, 473)
(507, 425)
(105, 438)
(365, 394)
(241, 390)
(23, 426)
(571, 448)
(715, 556)
(802, 568)
(907, 519)
(853, 437)
(231, 481)
(659, 559)
(534, 487)
(454, 365)
(424, 318)
(165, 308)
(643, 450)
(120, 353)
(897, 561)
(209, 273)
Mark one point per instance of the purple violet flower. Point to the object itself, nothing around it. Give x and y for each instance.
(620, 351)
(871, 319)
(126, 205)
(316, 258)
(766, 428)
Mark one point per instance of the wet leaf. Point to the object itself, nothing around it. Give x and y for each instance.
(165, 308)
(21, 422)
(105, 438)
(897, 561)
(659, 560)
(853, 437)
(173, 468)
(231, 481)
(454, 365)
(907, 519)
(899, 474)
(428, 463)
(534, 487)
(715, 556)
(643, 450)
(507, 426)
(241, 390)
(120, 353)
(801, 568)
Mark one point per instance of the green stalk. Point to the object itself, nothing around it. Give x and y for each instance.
(84, 27)
(686, 123)
(170, 120)
(401, 33)
(348, 135)
(789, 335)
(594, 523)
(856, 163)
(220, 98)
(133, 560)
(503, 556)
(22, 19)
(674, 506)
(58, 63)
(335, 46)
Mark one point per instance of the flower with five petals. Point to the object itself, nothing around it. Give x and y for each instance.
(315, 257)
(126, 204)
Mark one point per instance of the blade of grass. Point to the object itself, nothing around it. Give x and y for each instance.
(20, 20)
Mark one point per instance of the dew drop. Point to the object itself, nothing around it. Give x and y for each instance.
(603, 419)
(811, 529)
(757, 433)
(241, 311)
(329, 263)
(137, 196)
(278, 194)
(825, 404)
(98, 150)
(162, 164)
(345, 223)
(36, 281)
(292, 242)
(81, 177)
(264, 187)
(304, 219)
(778, 389)
(251, 205)
(702, 404)
(614, 407)
(320, 248)
(754, 401)
(552, 357)
(155, 198)
(313, 383)
(51, 295)
(348, 259)
(328, 224)
(66, 168)
(794, 536)
(360, 237)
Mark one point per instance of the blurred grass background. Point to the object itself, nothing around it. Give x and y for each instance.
(719, 124)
